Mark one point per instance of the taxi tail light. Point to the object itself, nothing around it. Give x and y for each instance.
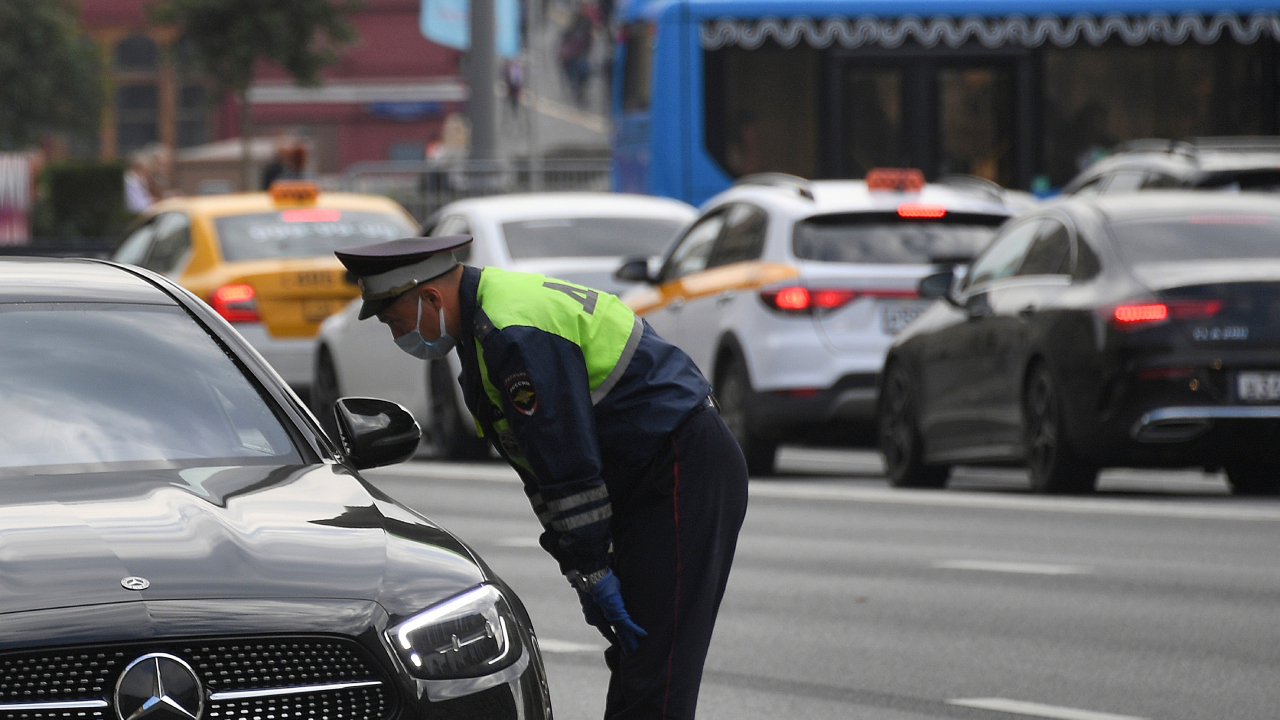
(236, 303)
(800, 300)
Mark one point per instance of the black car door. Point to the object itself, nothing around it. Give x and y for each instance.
(1024, 315)
(959, 362)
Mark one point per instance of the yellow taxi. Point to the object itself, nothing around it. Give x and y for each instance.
(264, 260)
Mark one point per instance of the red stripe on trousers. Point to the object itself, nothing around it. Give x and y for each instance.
(675, 617)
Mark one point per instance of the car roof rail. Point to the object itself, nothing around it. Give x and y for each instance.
(1162, 145)
(780, 180)
(973, 182)
(1237, 143)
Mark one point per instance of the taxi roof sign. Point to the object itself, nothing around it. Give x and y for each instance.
(899, 179)
(293, 192)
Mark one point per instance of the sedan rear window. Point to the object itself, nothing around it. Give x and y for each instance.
(97, 387)
(588, 237)
(304, 232)
(1203, 236)
(887, 238)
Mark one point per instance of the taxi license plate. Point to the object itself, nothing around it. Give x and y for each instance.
(896, 316)
(317, 310)
(1258, 386)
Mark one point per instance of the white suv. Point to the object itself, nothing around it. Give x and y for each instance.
(787, 292)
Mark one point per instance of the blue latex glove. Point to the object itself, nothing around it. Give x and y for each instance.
(595, 617)
(606, 595)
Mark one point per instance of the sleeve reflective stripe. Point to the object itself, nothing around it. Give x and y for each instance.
(633, 342)
(574, 522)
(581, 498)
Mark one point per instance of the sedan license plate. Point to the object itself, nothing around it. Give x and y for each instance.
(895, 316)
(1258, 386)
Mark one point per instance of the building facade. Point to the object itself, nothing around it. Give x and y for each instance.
(385, 99)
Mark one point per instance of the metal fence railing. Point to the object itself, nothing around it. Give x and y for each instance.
(424, 187)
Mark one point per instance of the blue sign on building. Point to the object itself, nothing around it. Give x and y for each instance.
(447, 22)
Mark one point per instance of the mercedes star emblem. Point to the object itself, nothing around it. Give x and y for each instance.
(159, 686)
(133, 582)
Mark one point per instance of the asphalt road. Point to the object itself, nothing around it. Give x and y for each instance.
(1157, 598)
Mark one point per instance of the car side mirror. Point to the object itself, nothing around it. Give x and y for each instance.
(634, 270)
(375, 432)
(937, 285)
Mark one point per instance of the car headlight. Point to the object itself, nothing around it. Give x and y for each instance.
(468, 635)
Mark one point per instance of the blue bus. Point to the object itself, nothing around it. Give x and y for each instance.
(1022, 92)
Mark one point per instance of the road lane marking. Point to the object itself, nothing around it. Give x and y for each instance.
(1018, 707)
(564, 646)
(518, 542)
(825, 492)
(785, 490)
(1012, 567)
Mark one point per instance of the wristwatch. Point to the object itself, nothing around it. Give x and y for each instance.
(585, 582)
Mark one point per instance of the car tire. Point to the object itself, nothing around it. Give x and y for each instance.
(733, 392)
(325, 392)
(1053, 464)
(899, 433)
(1258, 477)
(450, 434)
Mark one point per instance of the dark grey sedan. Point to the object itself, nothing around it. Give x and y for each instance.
(1140, 330)
(180, 541)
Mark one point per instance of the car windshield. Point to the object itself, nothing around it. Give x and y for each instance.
(1201, 236)
(304, 232)
(890, 239)
(90, 387)
(588, 237)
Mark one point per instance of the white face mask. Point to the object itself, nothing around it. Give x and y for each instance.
(413, 343)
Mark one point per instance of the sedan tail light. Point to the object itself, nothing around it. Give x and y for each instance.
(800, 300)
(236, 303)
(1132, 316)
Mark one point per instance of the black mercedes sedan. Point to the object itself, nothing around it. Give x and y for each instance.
(180, 541)
(1139, 330)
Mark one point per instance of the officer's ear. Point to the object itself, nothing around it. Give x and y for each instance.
(432, 296)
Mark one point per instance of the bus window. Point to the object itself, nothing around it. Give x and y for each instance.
(873, 118)
(761, 109)
(976, 122)
(1096, 97)
(637, 66)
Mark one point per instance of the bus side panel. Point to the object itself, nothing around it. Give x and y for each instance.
(667, 128)
(701, 175)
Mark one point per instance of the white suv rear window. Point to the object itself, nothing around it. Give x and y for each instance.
(887, 238)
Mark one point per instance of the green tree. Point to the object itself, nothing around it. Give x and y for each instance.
(52, 72)
(227, 38)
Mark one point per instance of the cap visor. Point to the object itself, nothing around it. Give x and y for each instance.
(369, 308)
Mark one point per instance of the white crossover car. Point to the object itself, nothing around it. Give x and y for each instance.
(787, 292)
(579, 237)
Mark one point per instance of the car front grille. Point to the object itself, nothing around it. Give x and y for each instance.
(278, 678)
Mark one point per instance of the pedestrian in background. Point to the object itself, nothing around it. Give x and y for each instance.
(639, 486)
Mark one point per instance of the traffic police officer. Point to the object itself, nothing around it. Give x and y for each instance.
(638, 484)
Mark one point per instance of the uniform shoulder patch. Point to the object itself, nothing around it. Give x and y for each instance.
(522, 393)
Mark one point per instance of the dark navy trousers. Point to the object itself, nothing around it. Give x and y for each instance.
(673, 544)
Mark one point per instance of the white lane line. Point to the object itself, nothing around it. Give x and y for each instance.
(517, 542)
(945, 498)
(564, 646)
(1012, 567)
(790, 490)
(1018, 707)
